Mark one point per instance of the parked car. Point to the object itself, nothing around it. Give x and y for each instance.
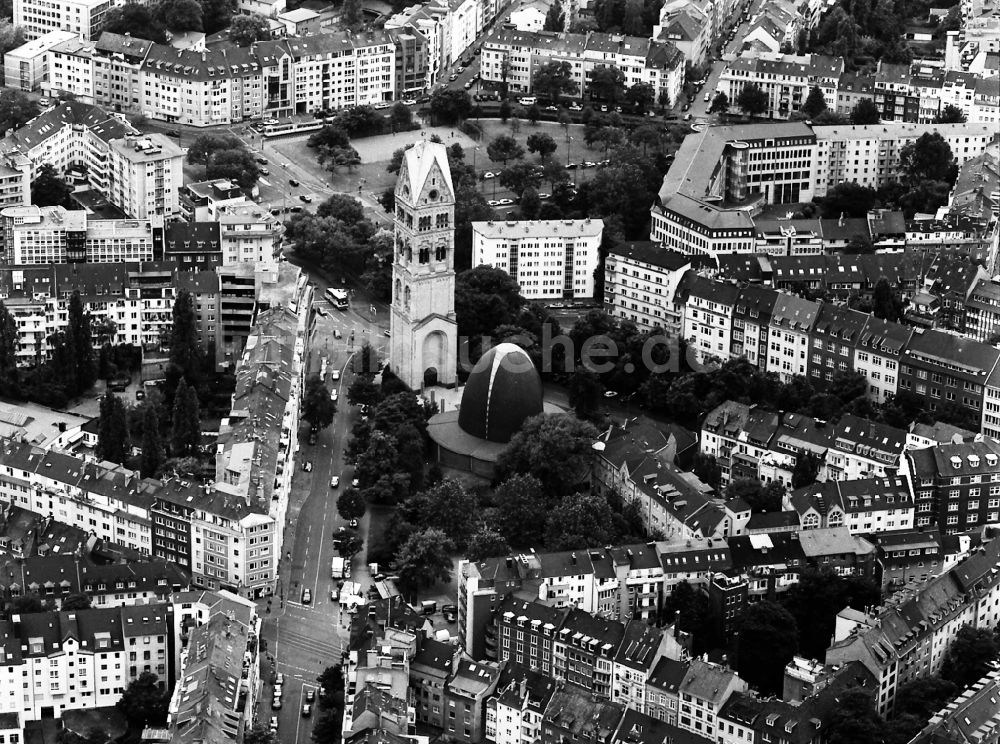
(310, 694)
(292, 182)
(575, 107)
(307, 710)
(468, 84)
(335, 481)
(489, 174)
(262, 160)
(274, 723)
(353, 523)
(335, 375)
(308, 466)
(503, 203)
(527, 100)
(276, 703)
(306, 198)
(450, 613)
(382, 105)
(264, 171)
(279, 679)
(140, 394)
(307, 596)
(453, 77)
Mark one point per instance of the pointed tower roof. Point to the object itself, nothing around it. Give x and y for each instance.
(420, 159)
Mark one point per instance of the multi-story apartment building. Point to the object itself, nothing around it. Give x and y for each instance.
(25, 67)
(429, 21)
(217, 637)
(751, 324)
(863, 449)
(971, 714)
(117, 66)
(956, 486)
(869, 154)
(204, 201)
(705, 689)
(866, 506)
(514, 713)
(513, 56)
(786, 79)
(835, 335)
(641, 281)
(83, 17)
(549, 259)
(708, 317)
(877, 356)
(71, 69)
(789, 336)
(908, 637)
(139, 174)
(946, 368)
(249, 233)
(53, 577)
(81, 658)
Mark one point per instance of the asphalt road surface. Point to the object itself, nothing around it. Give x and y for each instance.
(305, 638)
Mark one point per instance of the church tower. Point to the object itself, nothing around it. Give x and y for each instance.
(423, 345)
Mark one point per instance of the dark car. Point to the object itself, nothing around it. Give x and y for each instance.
(292, 182)
(450, 612)
(310, 695)
(261, 160)
(306, 198)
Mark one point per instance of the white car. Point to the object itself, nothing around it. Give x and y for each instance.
(494, 202)
(409, 101)
(382, 105)
(335, 481)
(335, 375)
(334, 395)
(543, 196)
(355, 483)
(505, 202)
(575, 107)
(489, 174)
(527, 100)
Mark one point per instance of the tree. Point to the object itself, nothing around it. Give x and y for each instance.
(504, 148)
(79, 346)
(969, 656)
(446, 506)
(720, 104)
(259, 734)
(752, 100)
(351, 15)
(529, 203)
(153, 454)
(865, 112)
(923, 697)
(9, 342)
(555, 19)
(424, 560)
(485, 299)
(203, 146)
(951, 114)
(179, 15)
(486, 543)
(854, 719)
(817, 598)
(449, 106)
(27, 604)
(331, 683)
(607, 83)
(585, 390)
(815, 103)
(317, 406)
(185, 433)
(848, 199)
(521, 509)
(554, 448)
(691, 610)
(11, 36)
(136, 20)
(886, 302)
(579, 520)
(328, 727)
(520, 176)
(541, 143)
(401, 115)
(555, 79)
(144, 702)
(249, 28)
(707, 469)
(48, 189)
(75, 601)
(766, 639)
(761, 498)
(641, 96)
(504, 111)
(237, 164)
(363, 391)
(928, 159)
(806, 470)
(185, 349)
(351, 504)
(217, 14)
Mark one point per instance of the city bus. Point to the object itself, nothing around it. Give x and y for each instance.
(337, 298)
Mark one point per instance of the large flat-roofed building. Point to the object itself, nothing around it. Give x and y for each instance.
(549, 259)
(55, 235)
(82, 17)
(145, 174)
(25, 67)
(786, 79)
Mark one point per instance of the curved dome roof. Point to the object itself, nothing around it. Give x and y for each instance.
(503, 390)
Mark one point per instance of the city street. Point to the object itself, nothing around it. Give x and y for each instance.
(305, 638)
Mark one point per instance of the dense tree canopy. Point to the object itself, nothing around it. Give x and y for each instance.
(767, 637)
(554, 448)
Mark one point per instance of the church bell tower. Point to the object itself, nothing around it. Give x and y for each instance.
(423, 344)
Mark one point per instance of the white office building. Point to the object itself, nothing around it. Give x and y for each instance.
(83, 17)
(549, 259)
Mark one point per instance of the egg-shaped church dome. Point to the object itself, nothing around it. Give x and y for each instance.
(502, 391)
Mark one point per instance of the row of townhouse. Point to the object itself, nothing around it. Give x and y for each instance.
(227, 534)
(750, 442)
(818, 340)
(138, 173)
(973, 710)
(216, 688)
(131, 303)
(53, 577)
(721, 176)
(56, 661)
(235, 231)
(622, 664)
(513, 57)
(631, 582)
(230, 84)
(908, 637)
(902, 93)
(786, 79)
